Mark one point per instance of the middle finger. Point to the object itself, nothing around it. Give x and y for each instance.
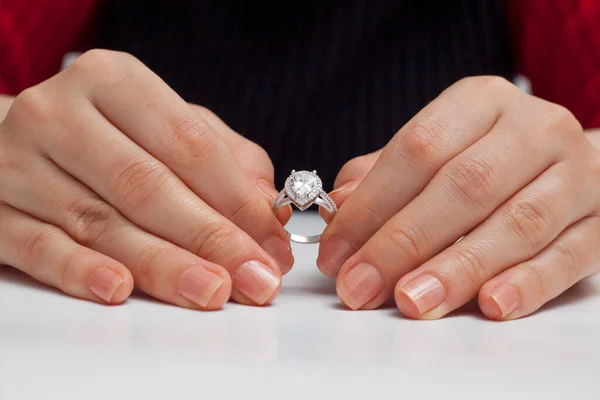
(515, 232)
(459, 117)
(154, 199)
(143, 107)
(463, 193)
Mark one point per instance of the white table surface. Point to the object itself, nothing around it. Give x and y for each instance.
(303, 346)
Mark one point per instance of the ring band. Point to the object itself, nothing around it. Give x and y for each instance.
(303, 189)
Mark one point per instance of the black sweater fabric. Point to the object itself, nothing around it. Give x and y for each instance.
(314, 82)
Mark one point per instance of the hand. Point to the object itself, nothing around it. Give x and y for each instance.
(512, 173)
(108, 177)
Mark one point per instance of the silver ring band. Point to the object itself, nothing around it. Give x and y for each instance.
(303, 189)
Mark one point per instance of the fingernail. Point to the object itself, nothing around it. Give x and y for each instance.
(506, 298)
(104, 283)
(198, 285)
(333, 254)
(351, 185)
(280, 251)
(359, 285)
(256, 281)
(426, 292)
(266, 188)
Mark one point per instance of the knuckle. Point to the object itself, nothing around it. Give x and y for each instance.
(194, 140)
(571, 261)
(410, 240)
(211, 239)
(31, 104)
(258, 159)
(536, 278)
(468, 261)
(256, 152)
(34, 245)
(560, 120)
(205, 112)
(111, 65)
(137, 183)
(474, 179)
(189, 130)
(530, 220)
(373, 214)
(486, 83)
(241, 209)
(363, 210)
(147, 271)
(90, 219)
(421, 140)
(94, 60)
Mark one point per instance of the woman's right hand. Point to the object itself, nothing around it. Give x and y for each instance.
(108, 177)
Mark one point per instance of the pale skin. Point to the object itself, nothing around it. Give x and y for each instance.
(514, 174)
(108, 178)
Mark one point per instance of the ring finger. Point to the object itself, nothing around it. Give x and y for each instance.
(458, 118)
(524, 288)
(160, 268)
(167, 128)
(515, 232)
(461, 195)
(147, 193)
(50, 256)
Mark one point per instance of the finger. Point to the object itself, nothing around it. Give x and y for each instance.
(515, 232)
(459, 117)
(160, 269)
(466, 191)
(349, 177)
(143, 189)
(150, 196)
(143, 107)
(252, 159)
(50, 256)
(524, 288)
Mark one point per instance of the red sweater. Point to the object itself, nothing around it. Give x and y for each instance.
(557, 45)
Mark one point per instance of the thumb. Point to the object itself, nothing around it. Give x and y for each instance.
(348, 179)
(252, 159)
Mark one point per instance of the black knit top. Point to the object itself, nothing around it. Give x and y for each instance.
(315, 83)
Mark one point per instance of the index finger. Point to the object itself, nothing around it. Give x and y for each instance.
(148, 111)
(253, 160)
(460, 116)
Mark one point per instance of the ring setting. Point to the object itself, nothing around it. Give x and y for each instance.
(303, 189)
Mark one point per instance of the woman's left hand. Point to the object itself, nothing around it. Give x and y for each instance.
(513, 174)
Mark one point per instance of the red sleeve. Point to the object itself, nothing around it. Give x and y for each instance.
(34, 37)
(557, 46)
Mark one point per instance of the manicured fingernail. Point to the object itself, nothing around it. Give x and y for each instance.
(266, 188)
(198, 285)
(506, 298)
(104, 283)
(426, 292)
(359, 285)
(256, 281)
(280, 251)
(333, 254)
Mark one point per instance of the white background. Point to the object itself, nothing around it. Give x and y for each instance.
(306, 345)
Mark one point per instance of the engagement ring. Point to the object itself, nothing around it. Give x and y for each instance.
(303, 189)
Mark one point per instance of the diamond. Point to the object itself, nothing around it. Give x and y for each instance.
(303, 188)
